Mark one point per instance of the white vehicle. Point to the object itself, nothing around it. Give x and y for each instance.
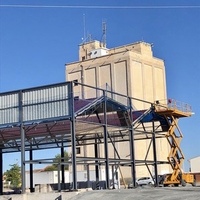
(142, 181)
(145, 181)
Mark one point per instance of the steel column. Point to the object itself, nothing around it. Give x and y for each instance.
(1, 172)
(31, 171)
(22, 133)
(96, 154)
(132, 150)
(113, 176)
(59, 185)
(106, 142)
(88, 176)
(155, 155)
(73, 139)
(62, 153)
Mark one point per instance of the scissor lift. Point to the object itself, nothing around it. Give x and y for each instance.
(172, 111)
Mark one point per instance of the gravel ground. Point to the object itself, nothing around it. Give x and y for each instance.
(140, 193)
(143, 193)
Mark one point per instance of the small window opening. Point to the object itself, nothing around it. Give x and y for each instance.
(78, 150)
(75, 82)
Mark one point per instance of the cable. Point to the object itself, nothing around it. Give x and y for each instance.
(101, 7)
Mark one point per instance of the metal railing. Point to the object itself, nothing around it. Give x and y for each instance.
(168, 104)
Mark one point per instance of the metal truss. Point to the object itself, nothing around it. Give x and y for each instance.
(100, 121)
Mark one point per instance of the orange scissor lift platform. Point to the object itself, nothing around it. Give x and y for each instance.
(172, 111)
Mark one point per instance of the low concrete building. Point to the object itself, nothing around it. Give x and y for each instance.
(43, 179)
(195, 164)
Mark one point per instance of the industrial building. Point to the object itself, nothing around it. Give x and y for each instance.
(131, 70)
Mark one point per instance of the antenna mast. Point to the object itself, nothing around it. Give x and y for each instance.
(104, 33)
(84, 31)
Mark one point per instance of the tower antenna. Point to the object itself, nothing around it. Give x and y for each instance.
(84, 29)
(104, 33)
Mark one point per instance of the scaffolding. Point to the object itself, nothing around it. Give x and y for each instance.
(57, 116)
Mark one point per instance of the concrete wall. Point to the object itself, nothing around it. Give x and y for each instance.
(45, 177)
(195, 164)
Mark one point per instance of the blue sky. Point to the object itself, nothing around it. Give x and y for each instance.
(38, 37)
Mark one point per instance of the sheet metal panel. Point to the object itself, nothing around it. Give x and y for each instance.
(9, 108)
(46, 103)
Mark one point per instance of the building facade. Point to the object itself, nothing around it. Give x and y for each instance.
(195, 164)
(131, 70)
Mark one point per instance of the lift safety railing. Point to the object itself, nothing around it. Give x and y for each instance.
(170, 104)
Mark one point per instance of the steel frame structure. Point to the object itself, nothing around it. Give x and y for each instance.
(63, 120)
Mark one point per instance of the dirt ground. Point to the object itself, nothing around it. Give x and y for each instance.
(140, 193)
(143, 193)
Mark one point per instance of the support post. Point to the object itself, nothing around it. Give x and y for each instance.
(106, 142)
(73, 139)
(132, 150)
(62, 153)
(113, 177)
(88, 176)
(155, 156)
(59, 185)
(96, 164)
(22, 133)
(1, 172)
(31, 171)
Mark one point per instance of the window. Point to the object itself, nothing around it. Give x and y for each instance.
(76, 98)
(78, 150)
(75, 82)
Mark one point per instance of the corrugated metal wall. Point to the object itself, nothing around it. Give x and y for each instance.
(37, 104)
(9, 108)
